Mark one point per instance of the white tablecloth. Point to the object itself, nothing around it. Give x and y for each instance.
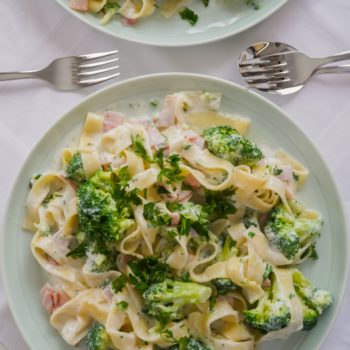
(33, 32)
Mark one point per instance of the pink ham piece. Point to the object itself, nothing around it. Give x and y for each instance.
(126, 22)
(195, 138)
(155, 138)
(166, 116)
(175, 218)
(112, 120)
(287, 173)
(192, 181)
(184, 196)
(52, 299)
(79, 5)
(266, 283)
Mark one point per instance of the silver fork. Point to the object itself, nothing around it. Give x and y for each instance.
(280, 68)
(73, 72)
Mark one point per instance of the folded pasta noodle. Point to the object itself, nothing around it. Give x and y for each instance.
(173, 235)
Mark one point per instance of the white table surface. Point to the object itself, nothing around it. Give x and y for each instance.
(33, 32)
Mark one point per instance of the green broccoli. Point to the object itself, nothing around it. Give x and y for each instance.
(272, 312)
(223, 286)
(191, 216)
(97, 338)
(288, 233)
(225, 142)
(164, 301)
(189, 343)
(100, 217)
(310, 317)
(75, 170)
(314, 300)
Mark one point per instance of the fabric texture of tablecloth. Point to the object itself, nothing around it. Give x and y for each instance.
(33, 32)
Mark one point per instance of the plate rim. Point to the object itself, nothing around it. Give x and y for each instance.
(150, 42)
(6, 278)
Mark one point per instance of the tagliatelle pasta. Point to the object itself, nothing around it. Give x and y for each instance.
(173, 233)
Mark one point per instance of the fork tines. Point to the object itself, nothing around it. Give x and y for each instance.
(86, 68)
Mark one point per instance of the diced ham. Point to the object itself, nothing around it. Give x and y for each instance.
(112, 120)
(266, 283)
(166, 116)
(175, 218)
(52, 299)
(79, 5)
(192, 181)
(195, 138)
(126, 22)
(108, 293)
(286, 174)
(155, 138)
(183, 196)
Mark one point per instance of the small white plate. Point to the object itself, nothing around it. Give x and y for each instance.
(222, 18)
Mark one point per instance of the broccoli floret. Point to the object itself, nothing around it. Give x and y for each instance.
(223, 286)
(288, 233)
(189, 343)
(105, 181)
(164, 301)
(97, 338)
(99, 217)
(75, 170)
(310, 317)
(272, 311)
(314, 300)
(225, 142)
(191, 215)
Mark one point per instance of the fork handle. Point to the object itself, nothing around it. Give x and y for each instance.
(30, 74)
(333, 69)
(335, 58)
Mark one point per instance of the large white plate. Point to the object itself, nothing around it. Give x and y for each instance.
(221, 19)
(23, 276)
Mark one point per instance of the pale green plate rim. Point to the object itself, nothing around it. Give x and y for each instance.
(200, 79)
(182, 42)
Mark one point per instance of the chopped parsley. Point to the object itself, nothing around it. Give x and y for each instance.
(277, 171)
(148, 271)
(267, 272)
(122, 305)
(78, 252)
(251, 234)
(189, 15)
(171, 171)
(119, 283)
(153, 214)
(154, 102)
(139, 148)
